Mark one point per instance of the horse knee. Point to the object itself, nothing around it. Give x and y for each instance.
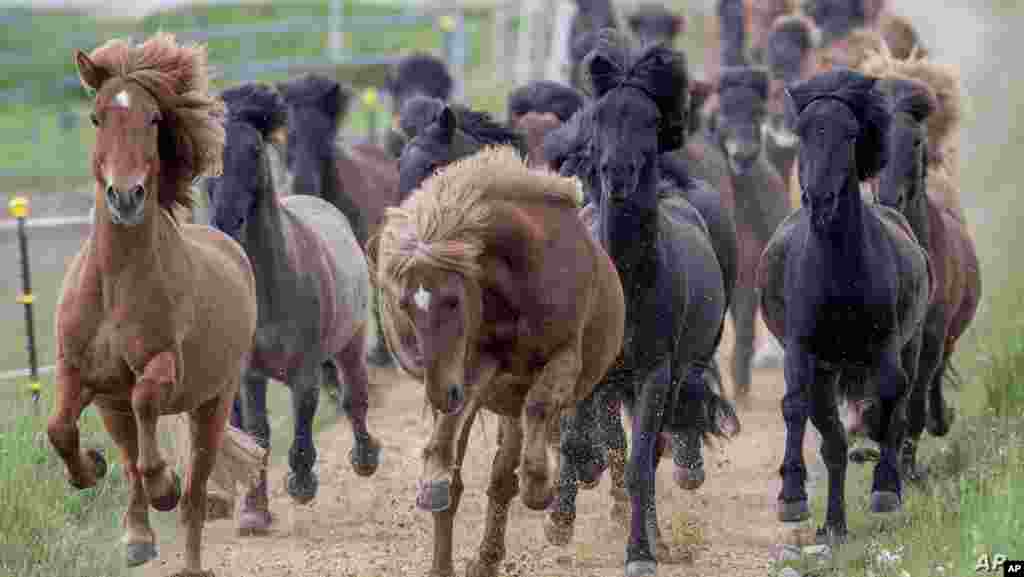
(61, 432)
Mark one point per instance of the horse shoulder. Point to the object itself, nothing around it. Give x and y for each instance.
(80, 304)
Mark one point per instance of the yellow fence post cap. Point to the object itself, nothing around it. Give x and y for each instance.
(18, 207)
(35, 387)
(447, 23)
(370, 97)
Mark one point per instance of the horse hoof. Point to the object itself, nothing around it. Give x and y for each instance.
(590, 476)
(688, 479)
(538, 500)
(830, 535)
(434, 496)
(864, 454)
(590, 485)
(938, 426)
(794, 512)
(219, 507)
(365, 456)
(302, 488)
(168, 502)
(559, 529)
(99, 461)
(476, 568)
(254, 522)
(642, 569)
(885, 502)
(137, 554)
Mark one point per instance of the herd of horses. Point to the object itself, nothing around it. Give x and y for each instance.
(580, 257)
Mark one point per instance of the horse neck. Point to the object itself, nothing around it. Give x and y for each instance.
(267, 246)
(630, 235)
(847, 245)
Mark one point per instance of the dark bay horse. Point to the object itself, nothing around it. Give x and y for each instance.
(652, 22)
(440, 134)
(538, 108)
(761, 199)
(361, 181)
(514, 307)
(416, 74)
(312, 283)
(671, 277)
(845, 287)
(155, 317)
(904, 185)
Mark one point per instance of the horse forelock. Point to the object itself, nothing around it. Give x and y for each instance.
(176, 77)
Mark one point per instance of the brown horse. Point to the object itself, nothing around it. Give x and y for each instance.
(515, 309)
(154, 318)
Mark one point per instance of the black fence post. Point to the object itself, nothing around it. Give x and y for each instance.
(18, 207)
(370, 100)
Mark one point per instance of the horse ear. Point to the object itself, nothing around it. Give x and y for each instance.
(448, 124)
(678, 24)
(90, 75)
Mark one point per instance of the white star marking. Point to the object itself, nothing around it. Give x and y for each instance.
(123, 99)
(422, 298)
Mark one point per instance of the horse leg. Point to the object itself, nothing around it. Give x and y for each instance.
(438, 494)
(255, 517)
(586, 452)
(334, 385)
(609, 416)
(163, 486)
(139, 539)
(365, 453)
(207, 423)
(825, 418)
(648, 420)
(799, 368)
(744, 311)
(379, 355)
(929, 365)
(940, 415)
(302, 483)
(548, 395)
(889, 424)
(572, 447)
(503, 487)
(84, 468)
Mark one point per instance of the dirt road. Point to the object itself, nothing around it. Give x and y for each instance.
(370, 528)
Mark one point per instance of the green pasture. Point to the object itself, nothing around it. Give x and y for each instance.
(975, 500)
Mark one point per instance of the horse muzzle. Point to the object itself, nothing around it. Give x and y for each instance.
(455, 400)
(127, 207)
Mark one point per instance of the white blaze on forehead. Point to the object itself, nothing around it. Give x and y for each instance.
(123, 99)
(422, 298)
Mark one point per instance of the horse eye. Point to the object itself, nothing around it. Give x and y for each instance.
(94, 119)
(155, 119)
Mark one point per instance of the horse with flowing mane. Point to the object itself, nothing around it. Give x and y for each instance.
(513, 307)
(155, 317)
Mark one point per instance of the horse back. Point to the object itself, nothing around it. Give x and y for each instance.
(322, 247)
(370, 176)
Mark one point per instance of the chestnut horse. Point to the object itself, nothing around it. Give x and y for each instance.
(155, 318)
(515, 308)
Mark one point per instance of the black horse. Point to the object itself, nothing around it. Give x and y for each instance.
(675, 293)
(652, 22)
(417, 74)
(761, 199)
(845, 287)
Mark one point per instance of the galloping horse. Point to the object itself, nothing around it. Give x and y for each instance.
(312, 283)
(515, 308)
(907, 185)
(845, 287)
(155, 317)
(761, 199)
(671, 277)
(360, 181)
(416, 74)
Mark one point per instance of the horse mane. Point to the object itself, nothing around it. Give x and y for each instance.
(446, 221)
(544, 96)
(652, 11)
(656, 70)
(320, 91)
(860, 43)
(257, 104)
(191, 141)
(420, 73)
(419, 112)
(901, 36)
(797, 27)
(835, 24)
(861, 95)
(567, 139)
(944, 81)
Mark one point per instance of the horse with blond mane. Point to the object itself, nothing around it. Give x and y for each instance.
(506, 293)
(155, 317)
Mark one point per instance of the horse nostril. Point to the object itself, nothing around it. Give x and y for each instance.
(110, 192)
(138, 193)
(455, 396)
